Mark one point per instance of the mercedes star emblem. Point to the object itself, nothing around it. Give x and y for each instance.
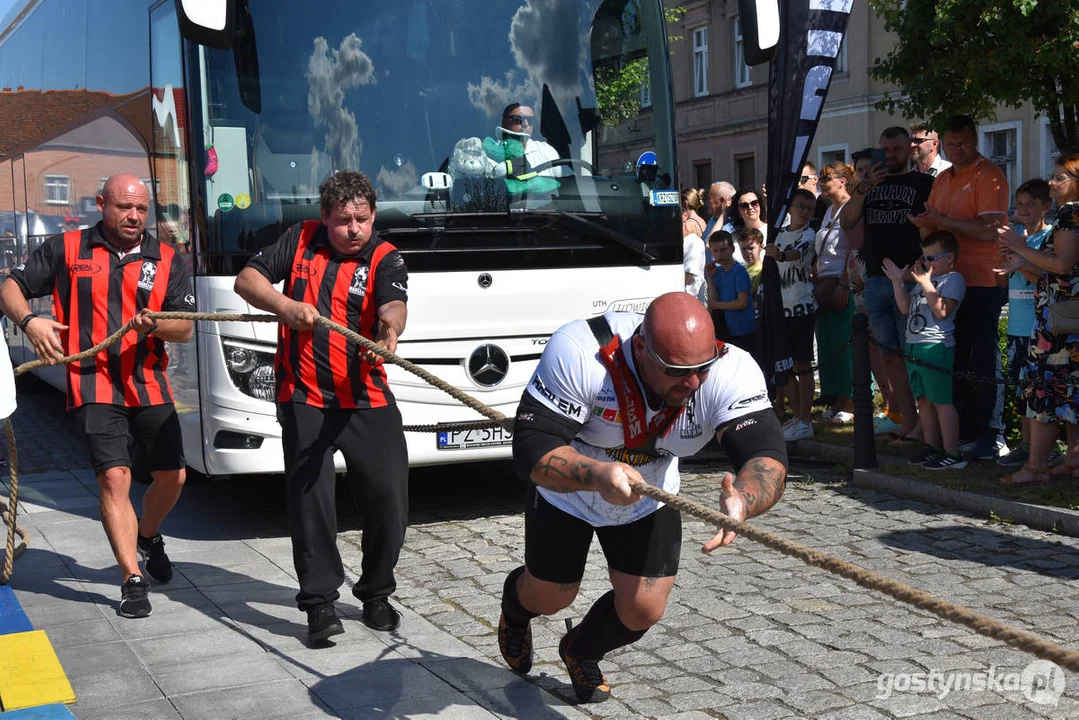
(488, 364)
(485, 280)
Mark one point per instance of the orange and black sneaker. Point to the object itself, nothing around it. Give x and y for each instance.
(588, 682)
(515, 645)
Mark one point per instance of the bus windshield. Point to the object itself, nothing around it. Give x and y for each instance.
(496, 133)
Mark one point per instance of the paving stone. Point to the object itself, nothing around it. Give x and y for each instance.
(760, 710)
(748, 633)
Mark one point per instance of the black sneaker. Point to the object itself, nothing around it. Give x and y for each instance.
(322, 623)
(515, 644)
(135, 598)
(585, 676)
(152, 552)
(380, 615)
(928, 454)
(946, 462)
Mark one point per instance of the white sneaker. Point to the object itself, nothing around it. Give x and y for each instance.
(798, 430)
(841, 418)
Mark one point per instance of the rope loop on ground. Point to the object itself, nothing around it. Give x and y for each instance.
(9, 512)
(1020, 639)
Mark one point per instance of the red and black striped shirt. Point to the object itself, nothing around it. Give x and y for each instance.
(95, 292)
(320, 367)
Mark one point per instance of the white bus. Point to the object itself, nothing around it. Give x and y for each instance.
(235, 139)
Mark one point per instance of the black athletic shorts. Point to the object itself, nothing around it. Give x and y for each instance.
(556, 543)
(155, 427)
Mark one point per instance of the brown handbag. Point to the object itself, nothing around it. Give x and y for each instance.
(824, 292)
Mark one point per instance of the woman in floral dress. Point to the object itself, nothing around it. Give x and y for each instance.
(1052, 373)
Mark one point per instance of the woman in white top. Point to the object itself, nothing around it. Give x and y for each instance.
(831, 288)
(694, 253)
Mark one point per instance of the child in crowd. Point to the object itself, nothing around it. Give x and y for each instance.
(930, 309)
(793, 252)
(730, 292)
(719, 319)
(1032, 202)
(751, 243)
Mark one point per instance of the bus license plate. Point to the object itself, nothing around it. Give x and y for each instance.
(475, 438)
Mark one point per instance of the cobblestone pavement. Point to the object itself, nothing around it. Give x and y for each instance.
(748, 633)
(752, 634)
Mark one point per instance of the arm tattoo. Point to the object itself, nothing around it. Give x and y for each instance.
(761, 483)
(580, 471)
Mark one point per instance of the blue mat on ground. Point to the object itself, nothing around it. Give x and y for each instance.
(53, 711)
(12, 618)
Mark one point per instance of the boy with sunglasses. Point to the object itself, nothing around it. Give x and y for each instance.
(930, 308)
(614, 399)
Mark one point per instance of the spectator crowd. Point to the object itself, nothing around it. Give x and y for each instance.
(934, 252)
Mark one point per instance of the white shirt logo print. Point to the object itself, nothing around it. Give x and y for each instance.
(359, 281)
(149, 272)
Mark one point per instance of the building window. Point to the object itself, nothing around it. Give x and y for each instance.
(841, 59)
(741, 70)
(829, 154)
(57, 190)
(745, 171)
(1001, 143)
(700, 62)
(702, 174)
(1050, 151)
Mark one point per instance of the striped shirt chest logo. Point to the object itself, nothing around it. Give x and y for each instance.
(358, 286)
(146, 277)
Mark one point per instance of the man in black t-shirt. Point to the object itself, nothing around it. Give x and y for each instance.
(884, 200)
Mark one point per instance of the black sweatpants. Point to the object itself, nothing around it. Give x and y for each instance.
(373, 443)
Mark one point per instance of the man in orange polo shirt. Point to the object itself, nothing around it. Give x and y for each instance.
(970, 200)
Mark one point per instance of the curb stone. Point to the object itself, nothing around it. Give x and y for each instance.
(1039, 517)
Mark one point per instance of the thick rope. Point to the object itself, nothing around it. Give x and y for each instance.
(9, 514)
(360, 340)
(1022, 640)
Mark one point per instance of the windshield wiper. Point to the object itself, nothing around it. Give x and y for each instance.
(594, 229)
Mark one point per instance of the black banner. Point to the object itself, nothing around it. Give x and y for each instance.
(801, 71)
(811, 33)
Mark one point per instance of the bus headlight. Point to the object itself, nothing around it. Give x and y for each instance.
(261, 382)
(251, 368)
(240, 360)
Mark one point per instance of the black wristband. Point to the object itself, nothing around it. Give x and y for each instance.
(152, 328)
(26, 321)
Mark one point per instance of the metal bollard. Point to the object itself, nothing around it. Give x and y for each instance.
(865, 443)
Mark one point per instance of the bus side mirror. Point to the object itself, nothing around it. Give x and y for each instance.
(207, 22)
(760, 29)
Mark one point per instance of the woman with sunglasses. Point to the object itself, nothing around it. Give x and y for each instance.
(831, 288)
(751, 211)
(1052, 374)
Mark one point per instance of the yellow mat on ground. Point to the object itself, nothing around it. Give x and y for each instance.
(30, 672)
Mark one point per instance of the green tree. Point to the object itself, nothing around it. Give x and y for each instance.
(967, 56)
(618, 86)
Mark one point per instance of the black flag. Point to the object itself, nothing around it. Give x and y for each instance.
(811, 33)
